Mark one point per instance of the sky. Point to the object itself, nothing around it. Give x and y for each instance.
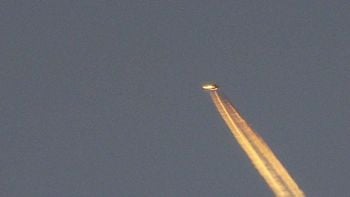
(104, 98)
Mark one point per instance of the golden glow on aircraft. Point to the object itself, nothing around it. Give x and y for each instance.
(210, 87)
(260, 154)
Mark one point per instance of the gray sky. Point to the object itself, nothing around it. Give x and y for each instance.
(103, 98)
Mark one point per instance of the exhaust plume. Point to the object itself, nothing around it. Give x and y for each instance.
(262, 157)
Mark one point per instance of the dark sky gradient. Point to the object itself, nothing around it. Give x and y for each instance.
(103, 98)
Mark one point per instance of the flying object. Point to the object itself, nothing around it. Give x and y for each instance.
(210, 87)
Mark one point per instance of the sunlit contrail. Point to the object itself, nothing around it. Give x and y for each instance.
(264, 160)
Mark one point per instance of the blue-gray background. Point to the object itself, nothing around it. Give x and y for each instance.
(103, 98)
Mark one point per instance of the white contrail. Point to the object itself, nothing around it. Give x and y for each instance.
(262, 157)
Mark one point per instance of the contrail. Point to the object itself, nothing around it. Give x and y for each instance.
(262, 157)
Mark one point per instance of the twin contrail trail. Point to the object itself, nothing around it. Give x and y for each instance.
(262, 157)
